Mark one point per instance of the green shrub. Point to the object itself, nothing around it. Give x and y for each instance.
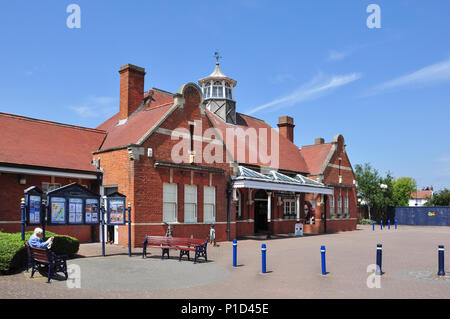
(365, 221)
(13, 256)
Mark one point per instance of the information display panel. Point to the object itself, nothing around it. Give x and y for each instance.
(116, 211)
(58, 210)
(75, 211)
(91, 211)
(34, 213)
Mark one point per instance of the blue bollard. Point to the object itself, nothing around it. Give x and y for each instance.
(373, 225)
(263, 254)
(441, 250)
(389, 224)
(235, 253)
(381, 224)
(379, 259)
(396, 223)
(324, 267)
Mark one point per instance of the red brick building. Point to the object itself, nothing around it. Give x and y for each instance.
(187, 159)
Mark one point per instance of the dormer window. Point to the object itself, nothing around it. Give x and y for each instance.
(217, 89)
(228, 94)
(207, 90)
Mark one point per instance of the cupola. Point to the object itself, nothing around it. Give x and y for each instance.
(218, 95)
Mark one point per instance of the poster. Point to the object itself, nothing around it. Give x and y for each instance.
(91, 211)
(117, 211)
(75, 210)
(34, 205)
(58, 210)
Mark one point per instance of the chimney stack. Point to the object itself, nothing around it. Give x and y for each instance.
(286, 127)
(319, 140)
(131, 89)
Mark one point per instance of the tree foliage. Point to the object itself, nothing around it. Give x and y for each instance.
(403, 187)
(370, 191)
(441, 198)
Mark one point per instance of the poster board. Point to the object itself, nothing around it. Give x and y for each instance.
(92, 211)
(33, 207)
(116, 211)
(58, 211)
(75, 211)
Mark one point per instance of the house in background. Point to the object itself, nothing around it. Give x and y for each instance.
(420, 198)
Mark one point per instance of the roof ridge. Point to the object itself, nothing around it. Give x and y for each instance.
(31, 119)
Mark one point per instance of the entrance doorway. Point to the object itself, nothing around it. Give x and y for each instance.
(261, 212)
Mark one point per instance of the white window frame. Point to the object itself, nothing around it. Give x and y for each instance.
(192, 202)
(289, 209)
(339, 212)
(207, 203)
(332, 207)
(170, 202)
(346, 207)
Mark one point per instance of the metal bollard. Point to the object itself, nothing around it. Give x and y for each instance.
(379, 259)
(395, 223)
(324, 267)
(235, 253)
(373, 225)
(381, 224)
(441, 250)
(389, 224)
(263, 254)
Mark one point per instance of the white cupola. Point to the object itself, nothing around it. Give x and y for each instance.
(218, 94)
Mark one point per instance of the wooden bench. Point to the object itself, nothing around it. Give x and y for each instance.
(40, 257)
(184, 245)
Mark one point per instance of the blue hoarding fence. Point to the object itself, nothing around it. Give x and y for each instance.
(422, 216)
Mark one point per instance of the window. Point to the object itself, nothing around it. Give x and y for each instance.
(217, 89)
(289, 209)
(228, 94)
(346, 211)
(207, 91)
(209, 208)
(169, 202)
(46, 187)
(339, 206)
(332, 210)
(238, 205)
(190, 203)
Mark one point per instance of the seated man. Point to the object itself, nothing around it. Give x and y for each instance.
(36, 240)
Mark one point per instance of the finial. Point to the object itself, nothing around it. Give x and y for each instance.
(217, 56)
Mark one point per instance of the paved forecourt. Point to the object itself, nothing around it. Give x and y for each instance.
(294, 271)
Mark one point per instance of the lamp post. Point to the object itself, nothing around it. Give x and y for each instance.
(383, 187)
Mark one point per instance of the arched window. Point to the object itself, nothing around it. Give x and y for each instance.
(207, 90)
(217, 89)
(228, 93)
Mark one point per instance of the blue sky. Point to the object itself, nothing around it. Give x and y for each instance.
(386, 90)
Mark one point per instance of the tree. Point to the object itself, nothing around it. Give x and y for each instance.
(403, 187)
(441, 198)
(369, 190)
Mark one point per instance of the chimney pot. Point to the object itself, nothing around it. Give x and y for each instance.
(286, 127)
(319, 140)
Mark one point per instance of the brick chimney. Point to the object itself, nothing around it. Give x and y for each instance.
(286, 127)
(319, 140)
(131, 89)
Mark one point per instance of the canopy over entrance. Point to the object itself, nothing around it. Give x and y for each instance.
(275, 181)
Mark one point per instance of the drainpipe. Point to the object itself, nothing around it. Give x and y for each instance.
(325, 200)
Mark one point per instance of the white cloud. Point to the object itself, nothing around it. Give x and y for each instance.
(334, 55)
(315, 88)
(434, 73)
(95, 106)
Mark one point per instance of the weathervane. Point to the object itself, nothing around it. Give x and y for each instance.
(217, 56)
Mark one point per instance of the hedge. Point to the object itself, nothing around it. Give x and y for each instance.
(13, 256)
